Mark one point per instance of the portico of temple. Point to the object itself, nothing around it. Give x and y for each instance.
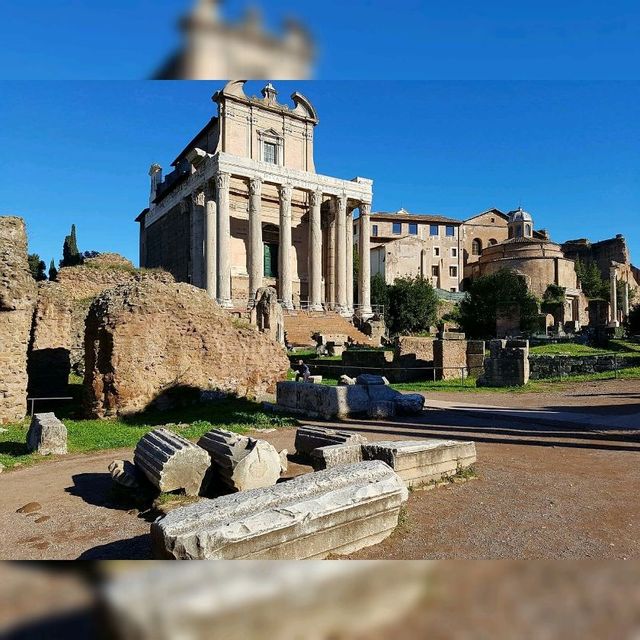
(243, 208)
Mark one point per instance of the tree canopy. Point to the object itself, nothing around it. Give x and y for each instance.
(37, 267)
(591, 281)
(412, 306)
(70, 253)
(487, 294)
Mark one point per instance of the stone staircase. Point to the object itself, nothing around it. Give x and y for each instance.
(301, 325)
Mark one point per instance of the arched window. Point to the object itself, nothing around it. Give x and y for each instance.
(519, 231)
(476, 247)
(510, 232)
(527, 230)
(493, 241)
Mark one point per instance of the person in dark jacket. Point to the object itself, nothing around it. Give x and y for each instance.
(302, 371)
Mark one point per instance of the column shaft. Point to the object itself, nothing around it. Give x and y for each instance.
(364, 283)
(349, 256)
(255, 259)
(315, 252)
(210, 234)
(285, 288)
(331, 257)
(614, 297)
(341, 254)
(223, 241)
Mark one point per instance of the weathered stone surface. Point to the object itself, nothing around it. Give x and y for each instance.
(17, 299)
(322, 401)
(284, 460)
(508, 364)
(381, 409)
(125, 474)
(419, 462)
(314, 380)
(267, 314)
(246, 601)
(171, 462)
(335, 455)
(330, 512)
(560, 366)
(309, 438)
(409, 404)
(450, 356)
(371, 379)
(346, 381)
(241, 463)
(61, 310)
(47, 435)
(150, 343)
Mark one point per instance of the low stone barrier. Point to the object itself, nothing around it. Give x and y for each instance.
(508, 364)
(419, 462)
(337, 511)
(171, 462)
(241, 463)
(560, 366)
(325, 402)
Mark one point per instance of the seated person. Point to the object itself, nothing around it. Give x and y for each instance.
(302, 371)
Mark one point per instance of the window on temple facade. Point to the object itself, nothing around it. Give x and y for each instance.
(476, 247)
(270, 153)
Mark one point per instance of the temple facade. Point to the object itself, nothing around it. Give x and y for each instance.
(243, 207)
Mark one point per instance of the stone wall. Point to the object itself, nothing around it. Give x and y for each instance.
(17, 299)
(416, 349)
(475, 357)
(57, 344)
(154, 344)
(508, 364)
(562, 366)
(450, 356)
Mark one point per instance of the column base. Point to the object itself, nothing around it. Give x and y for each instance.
(365, 313)
(614, 324)
(316, 306)
(225, 303)
(287, 304)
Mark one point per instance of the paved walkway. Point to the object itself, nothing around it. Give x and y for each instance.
(592, 420)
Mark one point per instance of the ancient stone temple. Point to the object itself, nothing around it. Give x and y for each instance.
(243, 208)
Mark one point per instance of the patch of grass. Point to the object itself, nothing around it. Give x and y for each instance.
(191, 422)
(566, 349)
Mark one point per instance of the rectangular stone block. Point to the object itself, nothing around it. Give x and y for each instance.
(309, 438)
(335, 455)
(419, 462)
(337, 511)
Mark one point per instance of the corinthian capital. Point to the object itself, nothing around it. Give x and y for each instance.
(198, 198)
(222, 181)
(365, 208)
(286, 191)
(316, 198)
(255, 186)
(341, 201)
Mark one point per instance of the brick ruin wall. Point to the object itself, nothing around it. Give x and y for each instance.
(507, 365)
(57, 342)
(17, 299)
(153, 344)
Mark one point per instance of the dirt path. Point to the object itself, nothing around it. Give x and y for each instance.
(539, 494)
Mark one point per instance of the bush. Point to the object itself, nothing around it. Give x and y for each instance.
(479, 308)
(413, 306)
(633, 322)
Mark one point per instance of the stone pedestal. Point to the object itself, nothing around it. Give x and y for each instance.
(47, 435)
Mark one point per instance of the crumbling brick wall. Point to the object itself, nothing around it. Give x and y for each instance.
(152, 344)
(17, 299)
(57, 344)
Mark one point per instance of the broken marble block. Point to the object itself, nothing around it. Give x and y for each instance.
(309, 438)
(47, 435)
(335, 455)
(337, 511)
(125, 474)
(409, 404)
(171, 462)
(419, 462)
(381, 409)
(371, 379)
(241, 463)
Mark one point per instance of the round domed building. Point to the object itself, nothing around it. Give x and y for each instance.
(542, 262)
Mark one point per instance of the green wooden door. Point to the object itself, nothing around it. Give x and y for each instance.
(270, 260)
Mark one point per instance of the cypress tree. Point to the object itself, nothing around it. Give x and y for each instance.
(53, 272)
(70, 253)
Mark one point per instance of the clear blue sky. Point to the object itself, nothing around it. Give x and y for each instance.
(568, 152)
(362, 39)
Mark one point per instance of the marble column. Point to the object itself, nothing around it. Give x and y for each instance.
(255, 258)
(613, 303)
(197, 239)
(331, 256)
(285, 288)
(210, 222)
(349, 252)
(364, 283)
(315, 252)
(625, 299)
(223, 241)
(341, 255)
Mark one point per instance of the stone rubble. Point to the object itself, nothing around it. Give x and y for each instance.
(47, 435)
(241, 463)
(125, 474)
(337, 511)
(309, 438)
(170, 462)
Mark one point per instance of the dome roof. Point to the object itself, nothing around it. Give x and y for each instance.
(520, 215)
